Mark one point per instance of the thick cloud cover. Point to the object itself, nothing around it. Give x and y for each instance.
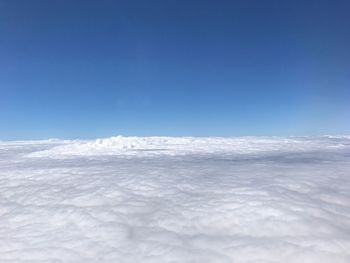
(162, 199)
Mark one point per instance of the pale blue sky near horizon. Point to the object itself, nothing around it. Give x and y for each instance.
(87, 69)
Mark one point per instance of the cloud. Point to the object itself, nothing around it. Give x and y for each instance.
(163, 199)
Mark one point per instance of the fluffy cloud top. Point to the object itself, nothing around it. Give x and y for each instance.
(162, 199)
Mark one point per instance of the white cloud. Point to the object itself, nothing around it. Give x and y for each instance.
(162, 199)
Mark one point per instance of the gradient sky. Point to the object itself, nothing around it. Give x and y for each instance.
(85, 69)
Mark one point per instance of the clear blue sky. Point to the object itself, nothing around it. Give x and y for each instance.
(85, 69)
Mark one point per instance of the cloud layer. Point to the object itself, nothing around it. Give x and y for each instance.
(163, 199)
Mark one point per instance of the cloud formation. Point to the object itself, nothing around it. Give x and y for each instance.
(163, 199)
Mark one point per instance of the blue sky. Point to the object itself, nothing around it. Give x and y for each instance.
(85, 69)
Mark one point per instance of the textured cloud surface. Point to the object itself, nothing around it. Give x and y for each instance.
(163, 199)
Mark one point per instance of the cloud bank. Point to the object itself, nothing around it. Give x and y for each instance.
(165, 199)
